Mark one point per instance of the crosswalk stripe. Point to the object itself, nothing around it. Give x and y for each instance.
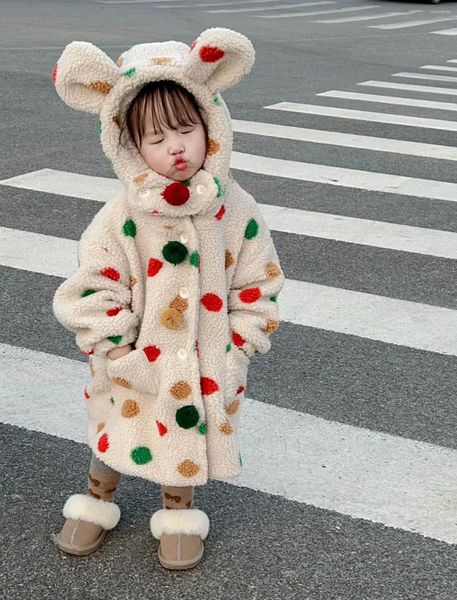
(407, 24)
(426, 89)
(439, 67)
(364, 315)
(265, 8)
(452, 31)
(450, 106)
(360, 115)
(399, 482)
(350, 140)
(321, 12)
(368, 18)
(426, 76)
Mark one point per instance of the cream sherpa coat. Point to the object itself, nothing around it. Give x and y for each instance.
(187, 272)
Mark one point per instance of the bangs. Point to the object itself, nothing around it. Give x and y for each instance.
(167, 104)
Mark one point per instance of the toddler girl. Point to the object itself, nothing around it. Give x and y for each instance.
(176, 286)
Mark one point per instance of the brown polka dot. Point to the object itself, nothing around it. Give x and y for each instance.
(130, 408)
(226, 428)
(132, 281)
(272, 270)
(161, 60)
(171, 318)
(229, 260)
(101, 86)
(213, 146)
(271, 326)
(122, 382)
(120, 62)
(179, 304)
(117, 120)
(188, 468)
(140, 179)
(100, 427)
(180, 390)
(233, 407)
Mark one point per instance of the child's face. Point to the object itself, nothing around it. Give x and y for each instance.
(160, 150)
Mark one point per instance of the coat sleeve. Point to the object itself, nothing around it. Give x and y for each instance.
(256, 283)
(95, 302)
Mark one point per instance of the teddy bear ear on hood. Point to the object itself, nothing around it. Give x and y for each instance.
(219, 58)
(83, 76)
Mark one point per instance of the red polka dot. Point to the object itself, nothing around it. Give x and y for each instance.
(162, 429)
(208, 386)
(154, 266)
(176, 193)
(54, 73)
(112, 312)
(237, 339)
(152, 353)
(110, 273)
(86, 395)
(250, 295)
(240, 390)
(210, 54)
(103, 443)
(212, 302)
(220, 213)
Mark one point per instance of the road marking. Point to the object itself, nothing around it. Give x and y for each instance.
(451, 106)
(360, 115)
(367, 18)
(426, 89)
(439, 67)
(399, 482)
(265, 8)
(427, 76)
(347, 140)
(406, 24)
(321, 12)
(446, 31)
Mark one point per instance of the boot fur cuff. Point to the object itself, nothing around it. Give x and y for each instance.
(188, 521)
(87, 508)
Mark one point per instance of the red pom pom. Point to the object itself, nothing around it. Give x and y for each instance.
(110, 273)
(54, 73)
(152, 353)
(208, 386)
(210, 54)
(103, 443)
(250, 295)
(161, 427)
(237, 339)
(220, 213)
(176, 194)
(240, 390)
(112, 312)
(154, 266)
(212, 302)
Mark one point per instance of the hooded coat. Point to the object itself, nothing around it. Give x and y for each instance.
(186, 272)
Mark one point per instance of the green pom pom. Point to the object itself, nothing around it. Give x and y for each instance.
(194, 258)
(141, 455)
(130, 72)
(228, 347)
(252, 229)
(87, 293)
(187, 416)
(115, 338)
(202, 428)
(273, 298)
(220, 191)
(174, 252)
(186, 182)
(129, 228)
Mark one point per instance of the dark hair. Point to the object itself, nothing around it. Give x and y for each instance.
(169, 105)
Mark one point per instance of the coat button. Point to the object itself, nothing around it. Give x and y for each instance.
(183, 238)
(184, 292)
(200, 189)
(182, 354)
(144, 193)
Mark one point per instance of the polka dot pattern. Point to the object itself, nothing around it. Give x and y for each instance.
(86, 394)
(112, 312)
(208, 386)
(202, 428)
(116, 339)
(179, 304)
(154, 266)
(101, 86)
(111, 273)
(250, 295)
(141, 455)
(187, 416)
(129, 73)
(152, 353)
(188, 468)
(130, 409)
(122, 382)
(194, 259)
(162, 428)
(171, 318)
(271, 326)
(226, 428)
(229, 260)
(174, 252)
(176, 193)
(87, 293)
(210, 54)
(180, 390)
(100, 427)
(212, 302)
(129, 228)
(232, 408)
(213, 146)
(272, 270)
(237, 339)
(103, 443)
(252, 229)
(220, 213)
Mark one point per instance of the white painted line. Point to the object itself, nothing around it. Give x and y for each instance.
(216, 4)
(347, 140)
(433, 104)
(368, 18)
(446, 31)
(452, 60)
(400, 322)
(360, 115)
(425, 89)
(412, 23)
(264, 8)
(426, 76)
(439, 67)
(399, 482)
(321, 12)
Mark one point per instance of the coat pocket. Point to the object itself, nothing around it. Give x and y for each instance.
(134, 371)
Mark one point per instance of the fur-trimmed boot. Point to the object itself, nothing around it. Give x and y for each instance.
(180, 528)
(89, 517)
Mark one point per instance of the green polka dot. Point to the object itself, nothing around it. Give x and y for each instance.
(174, 252)
(220, 191)
(141, 455)
(130, 72)
(129, 228)
(202, 428)
(217, 100)
(228, 347)
(186, 182)
(273, 298)
(87, 293)
(115, 338)
(194, 258)
(187, 416)
(252, 229)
